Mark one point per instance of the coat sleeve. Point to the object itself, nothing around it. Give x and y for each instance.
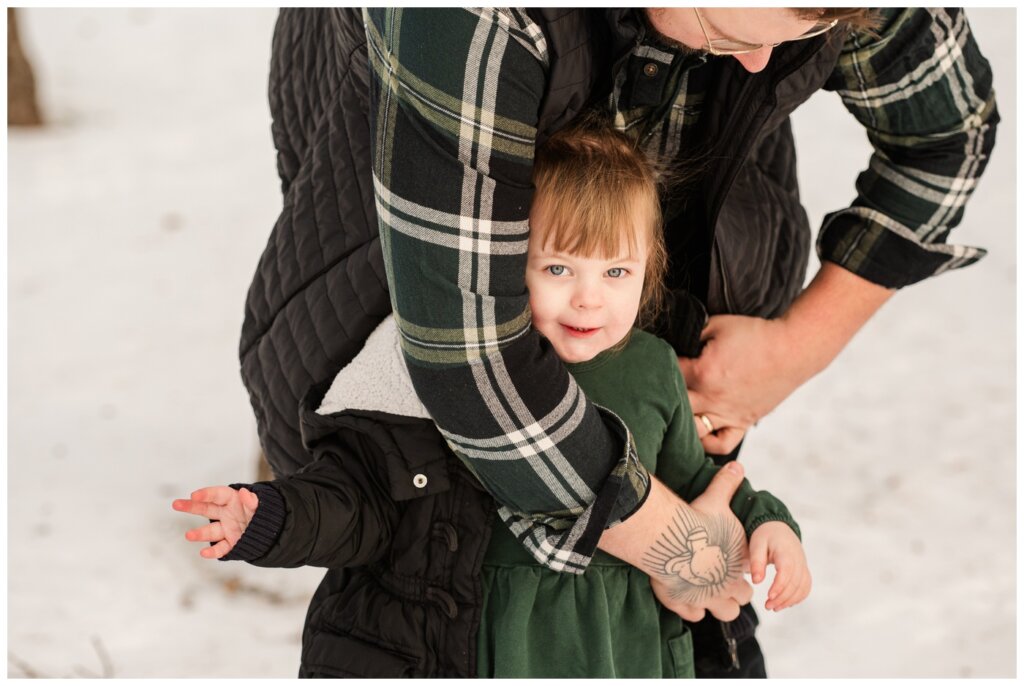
(334, 513)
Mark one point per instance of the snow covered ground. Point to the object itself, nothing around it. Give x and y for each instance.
(135, 221)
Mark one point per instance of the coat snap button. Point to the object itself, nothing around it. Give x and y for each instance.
(651, 69)
(420, 481)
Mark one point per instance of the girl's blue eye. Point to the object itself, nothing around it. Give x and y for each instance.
(616, 272)
(556, 270)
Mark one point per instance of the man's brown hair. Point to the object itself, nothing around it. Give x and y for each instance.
(854, 17)
(597, 196)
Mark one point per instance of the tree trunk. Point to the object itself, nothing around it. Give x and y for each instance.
(263, 472)
(22, 109)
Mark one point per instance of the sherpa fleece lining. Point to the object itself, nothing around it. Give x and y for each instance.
(376, 379)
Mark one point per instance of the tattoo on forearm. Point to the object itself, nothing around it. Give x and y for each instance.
(697, 555)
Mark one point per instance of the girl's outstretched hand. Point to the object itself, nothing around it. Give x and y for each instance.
(231, 511)
(775, 543)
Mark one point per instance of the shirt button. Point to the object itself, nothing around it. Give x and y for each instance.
(419, 481)
(651, 69)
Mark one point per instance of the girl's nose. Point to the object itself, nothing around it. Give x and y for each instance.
(586, 297)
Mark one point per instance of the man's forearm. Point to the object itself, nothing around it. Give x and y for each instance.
(827, 314)
(452, 209)
(695, 551)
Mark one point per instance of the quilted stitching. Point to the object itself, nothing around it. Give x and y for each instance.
(319, 289)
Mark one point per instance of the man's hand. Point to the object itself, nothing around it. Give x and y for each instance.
(725, 606)
(708, 576)
(702, 564)
(775, 543)
(694, 553)
(744, 371)
(749, 365)
(232, 511)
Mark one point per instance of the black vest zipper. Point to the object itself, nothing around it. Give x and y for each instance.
(717, 198)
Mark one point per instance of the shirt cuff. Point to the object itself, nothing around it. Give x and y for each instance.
(266, 524)
(571, 549)
(883, 251)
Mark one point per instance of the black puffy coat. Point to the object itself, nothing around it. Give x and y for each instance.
(320, 287)
(402, 527)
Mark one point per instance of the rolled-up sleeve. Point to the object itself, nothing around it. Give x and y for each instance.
(923, 91)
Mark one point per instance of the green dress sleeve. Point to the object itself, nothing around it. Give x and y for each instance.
(683, 467)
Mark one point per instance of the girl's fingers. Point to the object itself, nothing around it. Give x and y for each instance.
(202, 509)
(785, 595)
(250, 501)
(779, 586)
(210, 532)
(218, 495)
(796, 590)
(216, 551)
(808, 584)
(800, 589)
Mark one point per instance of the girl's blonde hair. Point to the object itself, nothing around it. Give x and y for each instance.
(598, 196)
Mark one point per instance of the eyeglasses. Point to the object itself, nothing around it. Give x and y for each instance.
(727, 46)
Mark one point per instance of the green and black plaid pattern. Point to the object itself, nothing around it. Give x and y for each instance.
(923, 92)
(455, 96)
(453, 155)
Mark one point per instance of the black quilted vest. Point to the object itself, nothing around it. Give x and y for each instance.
(320, 288)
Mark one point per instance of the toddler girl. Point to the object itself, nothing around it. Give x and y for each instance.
(595, 266)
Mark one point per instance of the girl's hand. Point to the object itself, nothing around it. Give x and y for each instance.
(775, 543)
(231, 511)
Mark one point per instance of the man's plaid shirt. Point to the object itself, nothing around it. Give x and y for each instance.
(455, 96)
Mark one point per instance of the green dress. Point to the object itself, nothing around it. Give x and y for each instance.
(606, 622)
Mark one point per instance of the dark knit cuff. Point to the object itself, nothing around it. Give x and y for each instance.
(265, 526)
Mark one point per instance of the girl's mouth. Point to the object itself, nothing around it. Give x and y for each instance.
(579, 332)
